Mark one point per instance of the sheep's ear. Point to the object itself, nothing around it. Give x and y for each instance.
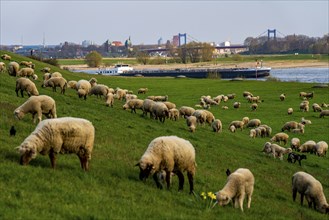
(137, 164)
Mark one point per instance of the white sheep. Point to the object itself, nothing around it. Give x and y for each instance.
(252, 133)
(217, 126)
(170, 105)
(2, 67)
(109, 99)
(120, 94)
(305, 121)
(191, 122)
(321, 148)
(5, 57)
(324, 113)
(316, 107)
(311, 188)
(128, 96)
(304, 107)
(254, 106)
(282, 97)
(239, 184)
(83, 87)
(254, 123)
(148, 107)
(290, 125)
(294, 143)
(13, 68)
(24, 84)
(161, 98)
(171, 154)
(60, 135)
(72, 84)
(174, 114)
(45, 69)
(280, 137)
(37, 105)
(54, 82)
(160, 111)
(236, 104)
(201, 116)
(290, 111)
(245, 120)
(246, 93)
(232, 128)
(276, 150)
(185, 111)
(133, 104)
(99, 90)
(268, 129)
(25, 72)
(308, 146)
(142, 90)
(236, 124)
(56, 74)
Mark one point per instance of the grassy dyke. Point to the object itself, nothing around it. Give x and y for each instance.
(112, 190)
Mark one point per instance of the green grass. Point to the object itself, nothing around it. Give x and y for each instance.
(112, 190)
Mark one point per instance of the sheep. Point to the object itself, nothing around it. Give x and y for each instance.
(191, 122)
(225, 98)
(225, 107)
(292, 157)
(245, 120)
(120, 94)
(208, 101)
(24, 84)
(72, 84)
(236, 124)
(280, 137)
(99, 90)
(231, 96)
(13, 68)
(45, 69)
(161, 98)
(282, 97)
(56, 82)
(246, 93)
(290, 125)
(83, 87)
(268, 129)
(304, 107)
(142, 90)
(302, 94)
(298, 130)
(316, 107)
(174, 114)
(236, 104)
(253, 123)
(324, 113)
(276, 150)
(170, 105)
(324, 105)
(305, 121)
(309, 95)
(5, 57)
(160, 111)
(37, 105)
(185, 111)
(128, 96)
(109, 99)
(148, 107)
(12, 131)
(254, 99)
(290, 111)
(133, 104)
(311, 188)
(209, 116)
(27, 64)
(2, 67)
(171, 154)
(308, 146)
(252, 133)
(232, 128)
(60, 135)
(56, 74)
(321, 148)
(254, 106)
(217, 126)
(239, 184)
(294, 143)
(218, 99)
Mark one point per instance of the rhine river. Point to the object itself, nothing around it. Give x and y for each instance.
(309, 75)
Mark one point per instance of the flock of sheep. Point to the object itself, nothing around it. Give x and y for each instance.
(165, 155)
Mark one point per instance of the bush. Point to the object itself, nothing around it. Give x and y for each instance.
(94, 59)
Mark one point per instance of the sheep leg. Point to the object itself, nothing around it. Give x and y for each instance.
(294, 194)
(301, 198)
(241, 198)
(52, 157)
(16, 90)
(83, 162)
(300, 164)
(181, 180)
(168, 179)
(22, 93)
(190, 180)
(156, 179)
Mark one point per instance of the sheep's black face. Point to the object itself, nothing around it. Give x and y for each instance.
(144, 173)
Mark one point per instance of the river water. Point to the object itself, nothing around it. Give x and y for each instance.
(309, 75)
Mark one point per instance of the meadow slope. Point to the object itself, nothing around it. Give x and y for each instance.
(112, 189)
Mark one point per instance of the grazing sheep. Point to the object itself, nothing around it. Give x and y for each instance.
(232, 128)
(305, 122)
(304, 107)
(254, 123)
(46, 69)
(321, 148)
(218, 99)
(161, 98)
(148, 107)
(316, 107)
(268, 130)
(60, 135)
(128, 96)
(282, 97)
(12, 131)
(160, 111)
(239, 184)
(54, 82)
(308, 146)
(72, 84)
(83, 87)
(208, 101)
(56, 74)
(109, 99)
(217, 126)
(290, 111)
(142, 90)
(27, 64)
(324, 105)
(174, 114)
(290, 125)
(236, 104)
(224, 107)
(309, 95)
(170, 105)
(292, 157)
(2, 67)
(231, 96)
(185, 111)
(99, 90)
(255, 99)
(37, 105)
(302, 94)
(133, 104)
(298, 131)
(24, 84)
(245, 120)
(171, 154)
(252, 133)
(13, 68)
(294, 143)
(246, 93)
(276, 150)
(5, 57)
(236, 124)
(280, 137)
(120, 94)
(324, 113)
(311, 188)
(254, 106)
(191, 122)
(46, 76)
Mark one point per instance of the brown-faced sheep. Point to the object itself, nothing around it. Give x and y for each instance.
(217, 126)
(185, 111)
(239, 184)
(60, 135)
(308, 146)
(311, 188)
(13, 68)
(191, 122)
(142, 90)
(280, 137)
(83, 87)
(37, 105)
(321, 148)
(133, 104)
(282, 97)
(5, 57)
(24, 84)
(324, 113)
(254, 107)
(290, 125)
(171, 154)
(316, 107)
(54, 82)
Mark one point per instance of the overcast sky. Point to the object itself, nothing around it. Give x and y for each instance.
(146, 21)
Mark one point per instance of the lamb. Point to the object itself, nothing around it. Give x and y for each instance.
(309, 95)
(60, 135)
(252, 133)
(311, 188)
(276, 150)
(142, 90)
(170, 105)
(254, 106)
(232, 128)
(5, 57)
(185, 111)
(294, 143)
(174, 114)
(56, 82)
(231, 96)
(24, 84)
(316, 107)
(253, 123)
(109, 99)
(171, 154)
(290, 125)
(236, 124)
(292, 157)
(191, 122)
(308, 146)
(280, 137)
(72, 84)
(290, 111)
(239, 184)
(302, 94)
(99, 90)
(217, 126)
(282, 97)
(37, 105)
(160, 111)
(254, 99)
(236, 104)
(324, 113)
(148, 107)
(321, 148)
(133, 104)
(13, 68)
